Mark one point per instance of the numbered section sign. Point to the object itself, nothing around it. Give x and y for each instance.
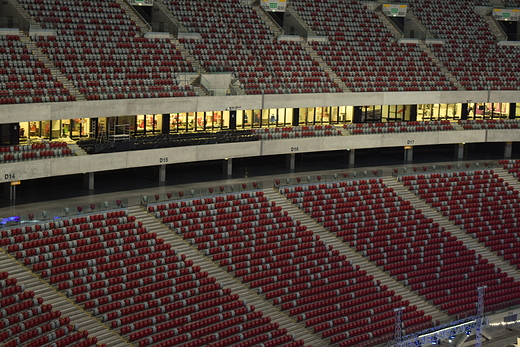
(140, 2)
(274, 5)
(394, 10)
(506, 14)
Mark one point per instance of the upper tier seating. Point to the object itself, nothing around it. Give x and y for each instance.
(386, 229)
(470, 52)
(296, 132)
(265, 248)
(362, 52)
(34, 151)
(398, 127)
(139, 286)
(489, 124)
(236, 40)
(23, 78)
(27, 321)
(479, 202)
(97, 46)
(511, 3)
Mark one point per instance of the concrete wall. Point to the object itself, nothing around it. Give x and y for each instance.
(159, 16)
(25, 170)
(8, 10)
(90, 109)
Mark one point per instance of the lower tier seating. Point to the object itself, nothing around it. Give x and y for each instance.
(479, 202)
(391, 233)
(138, 285)
(260, 244)
(27, 321)
(512, 166)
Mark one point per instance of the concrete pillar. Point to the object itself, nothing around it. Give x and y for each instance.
(9, 191)
(413, 113)
(408, 154)
(162, 173)
(464, 111)
(358, 114)
(290, 161)
(165, 121)
(295, 117)
(232, 120)
(88, 181)
(508, 149)
(459, 151)
(351, 157)
(227, 167)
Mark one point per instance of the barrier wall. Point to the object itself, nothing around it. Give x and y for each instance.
(111, 108)
(31, 169)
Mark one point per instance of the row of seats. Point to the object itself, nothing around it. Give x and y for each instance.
(296, 132)
(138, 285)
(386, 229)
(27, 321)
(260, 244)
(479, 202)
(398, 127)
(489, 124)
(34, 151)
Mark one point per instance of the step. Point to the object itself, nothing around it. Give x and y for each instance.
(225, 278)
(441, 66)
(60, 302)
(355, 257)
(58, 75)
(332, 75)
(187, 55)
(144, 27)
(275, 28)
